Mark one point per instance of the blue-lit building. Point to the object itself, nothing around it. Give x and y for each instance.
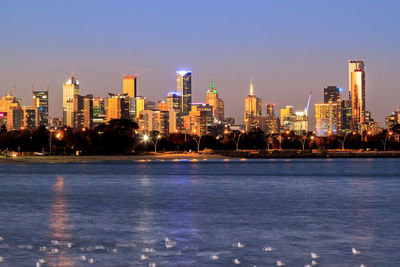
(40, 100)
(184, 86)
(333, 94)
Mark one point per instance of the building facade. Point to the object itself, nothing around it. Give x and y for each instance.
(184, 87)
(326, 118)
(117, 106)
(252, 108)
(40, 100)
(357, 93)
(217, 103)
(70, 90)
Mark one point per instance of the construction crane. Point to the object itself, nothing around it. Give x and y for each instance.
(308, 103)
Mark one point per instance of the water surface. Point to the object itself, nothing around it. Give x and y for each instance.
(120, 213)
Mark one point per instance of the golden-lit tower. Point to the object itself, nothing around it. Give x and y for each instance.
(252, 105)
(70, 90)
(357, 93)
(129, 85)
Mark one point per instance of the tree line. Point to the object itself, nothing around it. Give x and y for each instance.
(121, 137)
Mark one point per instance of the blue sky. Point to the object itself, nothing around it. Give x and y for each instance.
(288, 47)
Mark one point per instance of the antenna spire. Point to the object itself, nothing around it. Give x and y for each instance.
(251, 86)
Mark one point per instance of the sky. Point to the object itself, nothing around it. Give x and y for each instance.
(288, 47)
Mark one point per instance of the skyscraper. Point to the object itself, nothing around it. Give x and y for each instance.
(12, 113)
(326, 118)
(287, 118)
(117, 106)
(129, 85)
(252, 106)
(217, 103)
(70, 90)
(332, 93)
(357, 93)
(40, 100)
(184, 86)
(174, 101)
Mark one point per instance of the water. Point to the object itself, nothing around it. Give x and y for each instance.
(119, 213)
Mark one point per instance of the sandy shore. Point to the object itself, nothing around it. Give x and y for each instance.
(66, 159)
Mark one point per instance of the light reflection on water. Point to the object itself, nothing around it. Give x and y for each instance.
(121, 213)
(60, 229)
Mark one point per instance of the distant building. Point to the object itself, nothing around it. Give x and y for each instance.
(30, 117)
(162, 105)
(139, 105)
(272, 121)
(184, 87)
(287, 118)
(393, 119)
(199, 119)
(40, 100)
(326, 118)
(252, 108)
(129, 85)
(117, 106)
(12, 112)
(357, 93)
(148, 121)
(70, 90)
(83, 111)
(333, 94)
(300, 123)
(217, 103)
(99, 111)
(174, 101)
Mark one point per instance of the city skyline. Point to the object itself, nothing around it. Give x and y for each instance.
(286, 62)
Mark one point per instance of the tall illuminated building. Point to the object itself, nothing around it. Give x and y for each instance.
(99, 111)
(217, 103)
(174, 101)
(184, 86)
(357, 93)
(326, 118)
(287, 118)
(272, 122)
(83, 111)
(117, 106)
(11, 112)
(30, 116)
(140, 105)
(252, 106)
(333, 94)
(129, 85)
(70, 90)
(40, 100)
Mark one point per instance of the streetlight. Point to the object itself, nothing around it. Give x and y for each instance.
(269, 137)
(344, 139)
(197, 141)
(303, 142)
(147, 138)
(237, 141)
(390, 133)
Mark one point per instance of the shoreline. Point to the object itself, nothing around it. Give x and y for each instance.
(201, 156)
(109, 158)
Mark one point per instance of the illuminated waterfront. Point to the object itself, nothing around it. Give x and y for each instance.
(120, 213)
